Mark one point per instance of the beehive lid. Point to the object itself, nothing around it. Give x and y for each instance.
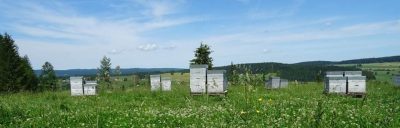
(356, 78)
(358, 73)
(154, 75)
(198, 66)
(91, 83)
(75, 77)
(338, 73)
(336, 78)
(166, 78)
(216, 72)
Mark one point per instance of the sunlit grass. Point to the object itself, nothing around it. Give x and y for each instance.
(296, 106)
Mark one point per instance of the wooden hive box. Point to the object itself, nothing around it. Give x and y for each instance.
(198, 79)
(155, 82)
(216, 82)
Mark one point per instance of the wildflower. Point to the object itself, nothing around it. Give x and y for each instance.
(257, 111)
(260, 99)
(242, 112)
(270, 101)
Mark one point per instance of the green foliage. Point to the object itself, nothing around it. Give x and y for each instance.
(233, 76)
(48, 78)
(16, 74)
(292, 72)
(369, 74)
(137, 106)
(117, 71)
(105, 70)
(30, 81)
(202, 56)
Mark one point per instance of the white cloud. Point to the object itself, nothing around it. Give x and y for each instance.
(61, 34)
(169, 47)
(266, 51)
(258, 13)
(148, 47)
(160, 8)
(115, 52)
(356, 30)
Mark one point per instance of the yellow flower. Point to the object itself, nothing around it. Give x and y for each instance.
(257, 111)
(242, 112)
(260, 99)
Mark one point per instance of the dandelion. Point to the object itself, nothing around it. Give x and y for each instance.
(242, 112)
(260, 99)
(257, 111)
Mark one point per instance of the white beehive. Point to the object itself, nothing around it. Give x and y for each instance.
(335, 85)
(356, 84)
(334, 74)
(155, 82)
(284, 83)
(76, 85)
(89, 88)
(352, 73)
(166, 83)
(198, 78)
(216, 81)
(274, 82)
(396, 80)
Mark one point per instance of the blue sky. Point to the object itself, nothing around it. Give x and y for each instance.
(164, 33)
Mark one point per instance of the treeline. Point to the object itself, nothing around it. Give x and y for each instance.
(355, 61)
(299, 72)
(372, 60)
(16, 73)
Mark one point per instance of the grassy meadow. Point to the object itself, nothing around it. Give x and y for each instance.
(244, 106)
(383, 71)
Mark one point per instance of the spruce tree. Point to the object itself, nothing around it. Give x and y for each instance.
(10, 65)
(15, 71)
(104, 70)
(30, 81)
(48, 78)
(202, 56)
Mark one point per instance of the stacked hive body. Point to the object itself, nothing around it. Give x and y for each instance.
(207, 81)
(81, 87)
(335, 84)
(89, 88)
(345, 82)
(166, 83)
(216, 81)
(284, 83)
(276, 82)
(155, 82)
(356, 85)
(198, 78)
(396, 80)
(76, 86)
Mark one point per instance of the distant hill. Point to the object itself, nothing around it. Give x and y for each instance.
(355, 61)
(290, 71)
(304, 71)
(91, 72)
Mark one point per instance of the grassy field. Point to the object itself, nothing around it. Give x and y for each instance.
(383, 71)
(244, 106)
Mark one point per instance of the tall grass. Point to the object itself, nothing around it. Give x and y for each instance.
(137, 106)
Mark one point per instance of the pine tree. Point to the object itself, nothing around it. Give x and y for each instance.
(202, 56)
(117, 71)
(10, 64)
(105, 70)
(48, 78)
(30, 80)
(15, 72)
